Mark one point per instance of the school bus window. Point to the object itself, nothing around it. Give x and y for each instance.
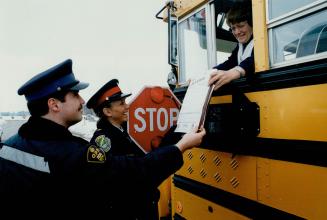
(173, 41)
(293, 41)
(322, 42)
(192, 46)
(225, 41)
(312, 41)
(281, 7)
(298, 38)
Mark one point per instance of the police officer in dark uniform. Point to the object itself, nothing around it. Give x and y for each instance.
(111, 134)
(110, 106)
(45, 169)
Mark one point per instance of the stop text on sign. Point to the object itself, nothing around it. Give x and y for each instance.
(163, 118)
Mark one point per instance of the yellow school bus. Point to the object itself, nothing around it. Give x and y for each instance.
(265, 153)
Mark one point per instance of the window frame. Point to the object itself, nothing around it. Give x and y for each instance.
(287, 18)
(170, 40)
(209, 10)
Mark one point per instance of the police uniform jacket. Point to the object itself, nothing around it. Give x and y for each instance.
(114, 141)
(138, 202)
(44, 167)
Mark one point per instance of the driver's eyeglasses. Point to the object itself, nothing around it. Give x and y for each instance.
(238, 26)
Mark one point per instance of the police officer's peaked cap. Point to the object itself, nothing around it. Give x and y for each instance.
(57, 78)
(107, 93)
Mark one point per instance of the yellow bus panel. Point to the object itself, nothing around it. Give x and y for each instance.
(297, 113)
(260, 36)
(218, 169)
(184, 7)
(193, 207)
(296, 188)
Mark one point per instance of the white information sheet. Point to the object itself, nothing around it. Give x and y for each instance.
(194, 107)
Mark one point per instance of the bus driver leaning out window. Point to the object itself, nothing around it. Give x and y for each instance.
(241, 61)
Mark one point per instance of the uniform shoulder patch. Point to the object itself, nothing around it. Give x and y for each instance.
(103, 142)
(95, 155)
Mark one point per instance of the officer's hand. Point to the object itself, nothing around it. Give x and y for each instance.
(192, 139)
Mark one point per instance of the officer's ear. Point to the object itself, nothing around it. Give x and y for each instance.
(107, 111)
(53, 104)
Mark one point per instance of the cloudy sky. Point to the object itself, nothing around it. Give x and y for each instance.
(105, 39)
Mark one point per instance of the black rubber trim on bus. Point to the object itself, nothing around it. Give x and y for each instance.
(178, 217)
(304, 74)
(241, 205)
(298, 151)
